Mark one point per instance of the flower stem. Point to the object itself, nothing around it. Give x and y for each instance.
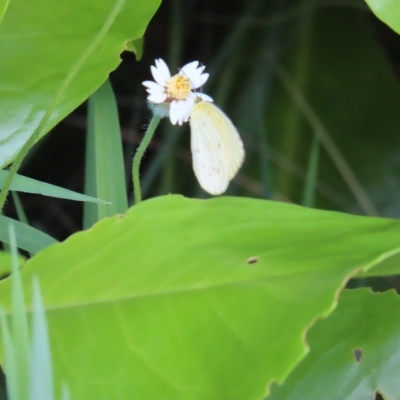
(139, 154)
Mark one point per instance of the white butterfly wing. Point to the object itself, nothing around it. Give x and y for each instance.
(217, 149)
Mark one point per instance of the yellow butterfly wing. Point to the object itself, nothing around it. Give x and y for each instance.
(217, 149)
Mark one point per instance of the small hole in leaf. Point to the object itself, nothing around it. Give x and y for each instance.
(252, 260)
(357, 354)
(378, 396)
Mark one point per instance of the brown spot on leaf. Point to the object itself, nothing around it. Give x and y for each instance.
(252, 260)
(357, 354)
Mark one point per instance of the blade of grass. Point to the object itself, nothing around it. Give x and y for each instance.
(312, 173)
(9, 360)
(105, 172)
(28, 367)
(292, 123)
(28, 238)
(254, 104)
(176, 44)
(28, 185)
(234, 40)
(65, 393)
(20, 210)
(20, 331)
(176, 34)
(323, 135)
(41, 370)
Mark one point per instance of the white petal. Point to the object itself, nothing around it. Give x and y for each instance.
(158, 77)
(186, 114)
(187, 107)
(173, 112)
(204, 97)
(155, 89)
(173, 117)
(195, 74)
(177, 111)
(157, 97)
(199, 80)
(160, 72)
(152, 85)
(189, 69)
(163, 67)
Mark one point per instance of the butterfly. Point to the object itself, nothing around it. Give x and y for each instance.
(217, 148)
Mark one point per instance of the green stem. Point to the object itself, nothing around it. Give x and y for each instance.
(139, 154)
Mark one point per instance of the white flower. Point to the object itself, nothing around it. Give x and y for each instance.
(175, 96)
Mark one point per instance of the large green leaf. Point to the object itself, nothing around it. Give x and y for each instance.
(196, 299)
(54, 54)
(354, 353)
(388, 11)
(5, 262)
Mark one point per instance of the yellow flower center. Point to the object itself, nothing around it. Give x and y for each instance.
(178, 87)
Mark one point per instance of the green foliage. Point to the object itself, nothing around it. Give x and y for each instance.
(182, 295)
(15, 336)
(179, 298)
(354, 353)
(388, 11)
(27, 360)
(73, 58)
(348, 102)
